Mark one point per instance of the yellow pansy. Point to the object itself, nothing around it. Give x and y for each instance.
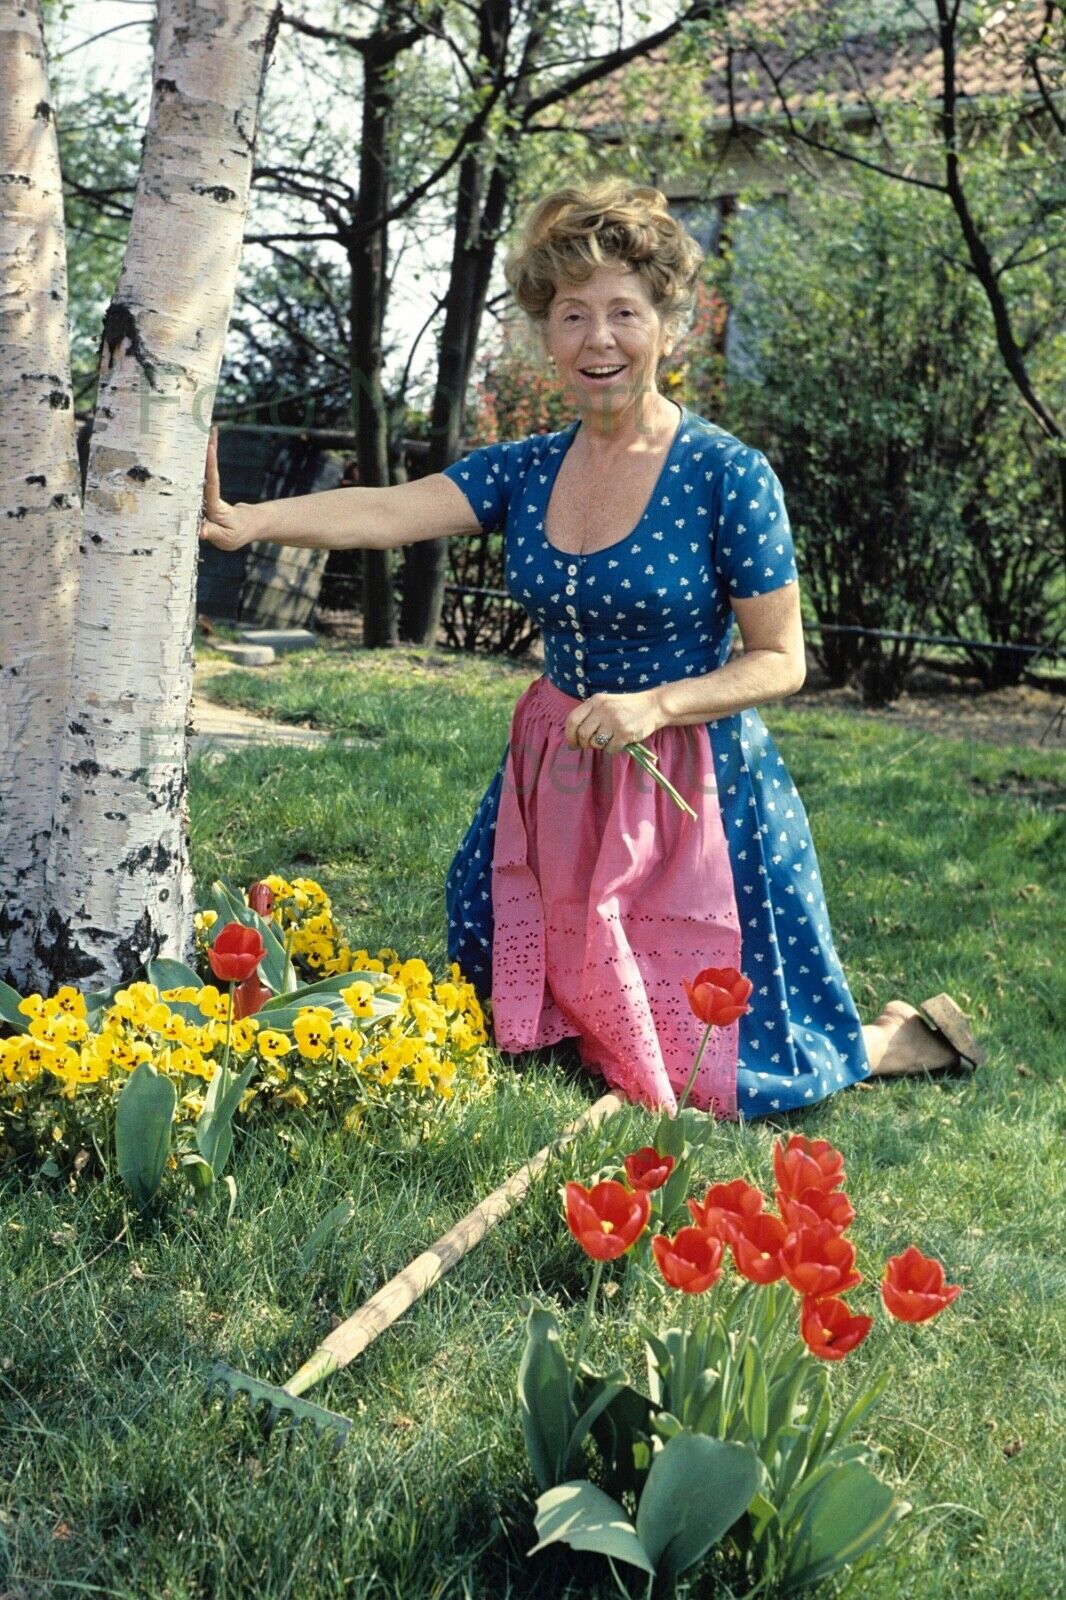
(349, 1043)
(271, 1044)
(212, 1003)
(243, 1035)
(359, 998)
(72, 1001)
(312, 1034)
(32, 1005)
(293, 1096)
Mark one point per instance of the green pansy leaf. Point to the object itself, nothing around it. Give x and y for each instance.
(10, 1000)
(214, 1126)
(167, 974)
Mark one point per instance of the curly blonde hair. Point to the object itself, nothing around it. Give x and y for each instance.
(570, 232)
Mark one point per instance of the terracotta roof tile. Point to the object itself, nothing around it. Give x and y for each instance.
(850, 73)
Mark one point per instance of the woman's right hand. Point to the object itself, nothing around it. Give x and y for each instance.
(228, 527)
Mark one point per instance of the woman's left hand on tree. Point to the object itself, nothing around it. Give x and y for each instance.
(628, 718)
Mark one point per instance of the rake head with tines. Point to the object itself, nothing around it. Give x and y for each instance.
(271, 1401)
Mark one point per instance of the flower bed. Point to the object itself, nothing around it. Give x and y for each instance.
(364, 1034)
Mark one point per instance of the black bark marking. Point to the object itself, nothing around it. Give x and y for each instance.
(121, 324)
(79, 728)
(94, 538)
(154, 856)
(43, 110)
(216, 191)
(61, 955)
(59, 400)
(140, 473)
(15, 177)
(87, 768)
(166, 86)
(18, 513)
(62, 500)
(36, 477)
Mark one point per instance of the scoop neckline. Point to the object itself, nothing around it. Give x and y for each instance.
(588, 555)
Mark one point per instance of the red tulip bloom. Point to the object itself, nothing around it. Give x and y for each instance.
(913, 1288)
(814, 1206)
(806, 1164)
(757, 1244)
(819, 1262)
(647, 1169)
(261, 898)
(236, 953)
(724, 1205)
(830, 1330)
(607, 1219)
(690, 1261)
(249, 996)
(719, 995)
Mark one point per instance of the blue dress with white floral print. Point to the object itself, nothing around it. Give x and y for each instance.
(652, 608)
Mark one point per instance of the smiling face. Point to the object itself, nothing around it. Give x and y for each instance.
(606, 339)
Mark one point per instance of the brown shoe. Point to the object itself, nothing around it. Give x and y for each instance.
(945, 1018)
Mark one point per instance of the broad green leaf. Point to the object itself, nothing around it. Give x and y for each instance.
(10, 999)
(857, 1410)
(167, 974)
(143, 1117)
(330, 986)
(850, 1512)
(603, 1392)
(696, 1490)
(582, 1516)
(544, 1397)
(214, 1126)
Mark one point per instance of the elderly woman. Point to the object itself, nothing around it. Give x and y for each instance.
(582, 895)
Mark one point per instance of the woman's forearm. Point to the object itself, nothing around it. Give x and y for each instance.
(745, 680)
(352, 518)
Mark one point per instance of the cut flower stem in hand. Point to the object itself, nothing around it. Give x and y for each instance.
(650, 762)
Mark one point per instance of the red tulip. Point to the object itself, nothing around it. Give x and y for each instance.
(806, 1164)
(249, 996)
(690, 1261)
(261, 898)
(718, 995)
(724, 1205)
(819, 1262)
(814, 1206)
(607, 1219)
(913, 1288)
(236, 953)
(830, 1330)
(757, 1244)
(647, 1169)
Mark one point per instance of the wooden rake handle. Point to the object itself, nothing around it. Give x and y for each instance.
(401, 1292)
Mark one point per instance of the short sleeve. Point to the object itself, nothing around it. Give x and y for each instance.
(753, 549)
(488, 476)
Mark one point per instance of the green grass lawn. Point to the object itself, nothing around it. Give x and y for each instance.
(944, 865)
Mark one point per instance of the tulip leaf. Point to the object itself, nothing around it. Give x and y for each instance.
(619, 1429)
(143, 1117)
(10, 1000)
(331, 1227)
(214, 1125)
(847, 1515)
(544, 1397)
(696, 1489)
(582, 1516)
(167, 974)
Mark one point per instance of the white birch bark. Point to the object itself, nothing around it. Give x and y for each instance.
(40, 487)
(118, 889)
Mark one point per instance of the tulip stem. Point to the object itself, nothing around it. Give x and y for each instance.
(229, 1028)
(597, 1274)
(695, 1069)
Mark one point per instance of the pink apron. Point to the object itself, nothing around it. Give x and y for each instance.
(604, 896)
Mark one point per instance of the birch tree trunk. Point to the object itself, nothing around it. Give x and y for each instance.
(40, 487)
(118, 890)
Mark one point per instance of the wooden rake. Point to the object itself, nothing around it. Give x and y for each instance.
(352, 1337)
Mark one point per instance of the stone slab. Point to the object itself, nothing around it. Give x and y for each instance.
(246, 655)
(280, 640)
